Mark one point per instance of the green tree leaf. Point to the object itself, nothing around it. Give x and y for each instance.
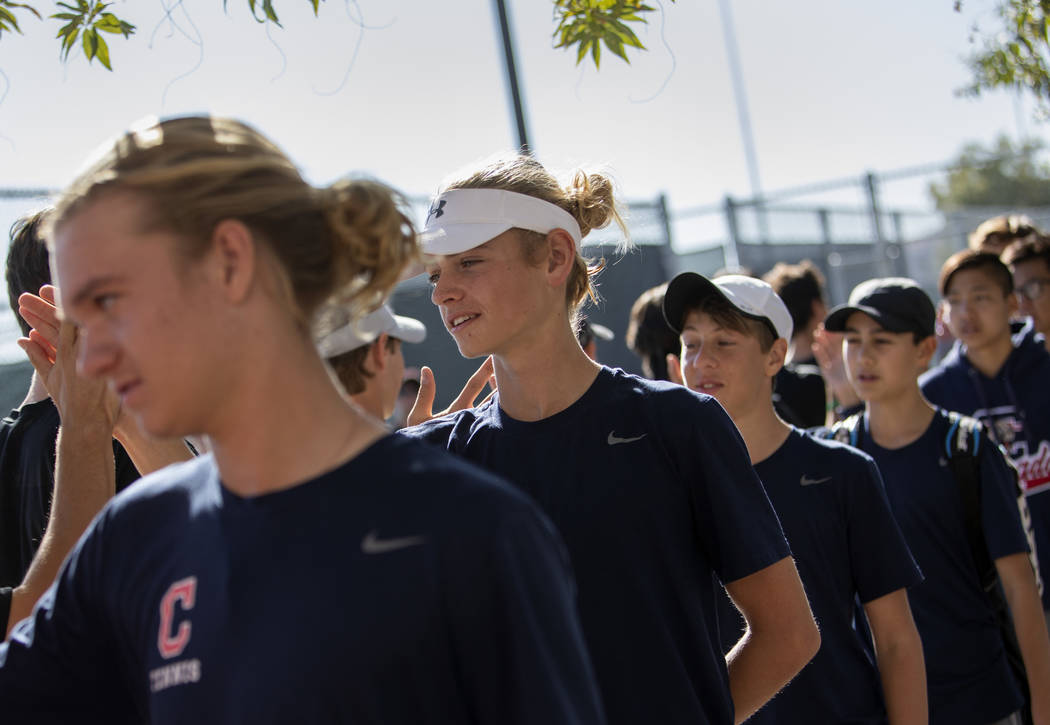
(587, 24)
(102, 51)
(8, 19)
(90, 44)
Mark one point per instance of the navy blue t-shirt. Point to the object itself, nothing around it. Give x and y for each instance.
(653, 492)
(28, 437)
(404, 586)
(27, 481)
(967, 675)
(846, 543)
(1014, 405)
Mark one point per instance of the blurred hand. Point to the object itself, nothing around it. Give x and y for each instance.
(827, 349)
(52, 348)
(422, 411)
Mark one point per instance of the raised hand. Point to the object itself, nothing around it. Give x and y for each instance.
(52, 348)
(827, 350)
(422, 411)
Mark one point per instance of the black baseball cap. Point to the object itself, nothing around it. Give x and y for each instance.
(896, 303)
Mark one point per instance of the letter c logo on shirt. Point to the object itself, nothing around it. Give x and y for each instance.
(171, 644)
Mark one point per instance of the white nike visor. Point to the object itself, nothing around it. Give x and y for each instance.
(462, 219)
(364, 331)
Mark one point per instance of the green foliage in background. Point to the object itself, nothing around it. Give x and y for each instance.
(1016, 54)
(587, 24)
(85, 21)
(1000, 175)
(8, 19)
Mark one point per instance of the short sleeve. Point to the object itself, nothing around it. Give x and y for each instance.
(1000, 502)
(5, 604)
(59, 665)
(522, 654)
(735, 520)
(880, 559)
(439, 432)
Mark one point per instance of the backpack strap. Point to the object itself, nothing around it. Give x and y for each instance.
(962, 446)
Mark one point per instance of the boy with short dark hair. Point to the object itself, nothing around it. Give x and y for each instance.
(648, 335)
(889, 340)
(734, 336)
(799, 394)
(998, 375)
(366, 357)
(996, 234)
(1029, 262)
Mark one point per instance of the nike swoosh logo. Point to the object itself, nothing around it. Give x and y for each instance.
(372, 544)
(613, 439)
(807, 481)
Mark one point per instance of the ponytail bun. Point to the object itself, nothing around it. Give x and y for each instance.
(372, 240)
(592, 201)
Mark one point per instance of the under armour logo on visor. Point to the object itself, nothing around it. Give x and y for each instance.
(436, 209)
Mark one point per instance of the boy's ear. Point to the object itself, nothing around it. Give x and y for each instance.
(234, 258)
(927, 347)
(776, 356)
(561, 256)
(378, 353)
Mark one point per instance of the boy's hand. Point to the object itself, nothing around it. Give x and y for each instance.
(422, 411)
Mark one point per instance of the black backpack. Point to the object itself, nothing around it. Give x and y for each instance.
(962, 447)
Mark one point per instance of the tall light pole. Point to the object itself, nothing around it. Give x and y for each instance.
(743, 115)
(736, 76)
(512, 76)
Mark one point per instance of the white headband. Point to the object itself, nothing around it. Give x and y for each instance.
(462, 219)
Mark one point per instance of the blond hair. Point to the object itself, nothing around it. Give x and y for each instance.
(345, 244)
(588, 196)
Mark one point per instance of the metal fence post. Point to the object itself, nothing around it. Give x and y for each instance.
(881, 260)
(666, 251)
(900, 262)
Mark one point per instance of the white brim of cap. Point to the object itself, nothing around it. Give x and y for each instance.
(364, 331)
(602, 332)
(458, 238)
(408, 329)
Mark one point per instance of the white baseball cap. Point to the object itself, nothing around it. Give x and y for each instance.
(362, 332)
(752, 297)
(462, 219)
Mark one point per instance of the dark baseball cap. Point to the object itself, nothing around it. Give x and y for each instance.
(896, 303)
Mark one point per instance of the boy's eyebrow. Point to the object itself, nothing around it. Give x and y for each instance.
(89, 288)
